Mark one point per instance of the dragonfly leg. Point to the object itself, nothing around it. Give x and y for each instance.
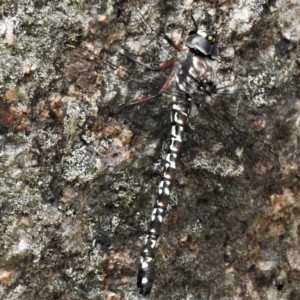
(161, 91)
(169, 63)
(169, 40)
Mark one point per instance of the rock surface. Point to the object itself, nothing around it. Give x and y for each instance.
(78, 181)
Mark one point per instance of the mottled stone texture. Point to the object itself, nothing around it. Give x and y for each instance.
(78, 180)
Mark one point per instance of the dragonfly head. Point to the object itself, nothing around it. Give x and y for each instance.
(203, 43)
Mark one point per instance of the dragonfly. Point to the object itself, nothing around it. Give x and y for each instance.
(231, 117)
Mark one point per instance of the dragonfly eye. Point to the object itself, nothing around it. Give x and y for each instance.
(203, 42)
